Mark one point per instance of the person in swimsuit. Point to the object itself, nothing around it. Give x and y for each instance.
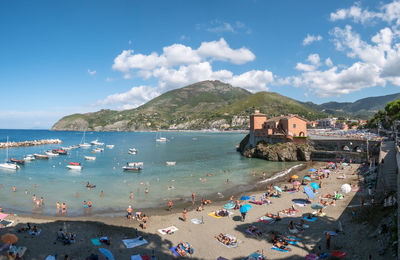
(184, 214)
(89, 203)
(144, 220)
(129, 210)
(63, 208)
(170, 204)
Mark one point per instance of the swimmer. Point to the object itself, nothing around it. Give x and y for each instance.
(101, 194)
(36, 186)
(89, 203)
(41, 202)
(131, 195)
(193, 198)
(14, 189)
(146, 191)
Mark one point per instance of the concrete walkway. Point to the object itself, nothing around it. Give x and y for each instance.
(387, 176)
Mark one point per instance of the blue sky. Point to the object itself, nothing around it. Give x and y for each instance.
(63, 57)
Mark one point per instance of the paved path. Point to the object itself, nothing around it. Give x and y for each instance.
(387, 177)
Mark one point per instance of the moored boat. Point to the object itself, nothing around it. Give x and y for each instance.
(170, 163)
(51, 154)
(60, 151)
(135, 164)
(131, 169)
(29, 157)
(90, 158)
(110, 146)
(96, 142)
(41, 156)
(21, 162)
(74, 166)
(9, 166)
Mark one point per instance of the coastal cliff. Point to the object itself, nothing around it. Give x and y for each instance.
(282, 152)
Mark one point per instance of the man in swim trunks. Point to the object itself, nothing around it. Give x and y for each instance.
(193, 198)
(129, 210)
(170, 204)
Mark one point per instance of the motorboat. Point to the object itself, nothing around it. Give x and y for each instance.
(29, 157)
(41, 156)
(170, 163)
(97, 150)
(74, 166)
(135, 164)
(131, 169)
(130, 152)
(110, 146)
(96, 142)
(51, 154)
(20, 162)
(67, 148)
(9, 166)
(133, 150)
(90, 158)
(60, 151)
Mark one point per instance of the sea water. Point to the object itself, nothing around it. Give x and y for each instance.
(197, 154)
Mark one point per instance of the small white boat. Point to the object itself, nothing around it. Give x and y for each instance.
(133, 150)
(97, 150)
(41, 156)
(170, 163)
(131, 169)
(96, 142)
(85, 145)
(135, 164)
(29, 157)
(110, 146)
(67, 148)
(161, 140)
(9, 166)
(75, 167)
(90, 158)
(51, 154)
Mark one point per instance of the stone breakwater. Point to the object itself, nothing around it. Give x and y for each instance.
(30, 143)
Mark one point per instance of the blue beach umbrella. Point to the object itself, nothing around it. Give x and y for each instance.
(309, 192)
(277, 188)
(317, 206)
(307, 178)
(313, 170)
(245, 198)
(314, 185)
(229, 206)
(245, 208)
(107, 253)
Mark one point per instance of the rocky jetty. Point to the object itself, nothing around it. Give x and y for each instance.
(282, 152)
(30, 143)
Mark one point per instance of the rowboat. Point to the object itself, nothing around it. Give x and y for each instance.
(74, 166)
(21, 162)
(41, 156)
(170, 163)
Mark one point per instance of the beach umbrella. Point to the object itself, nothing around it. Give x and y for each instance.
(327, 171)
(277, 188)
(107, 253)
(9, 238)
(307, 178)
(312, 170)
(317, 206)
(229, 206)
(245, 198)
(346, 188)
(314, 185)
(295, 176)
(309, 192)
(331, 163)
(245, 208)
(296, 183)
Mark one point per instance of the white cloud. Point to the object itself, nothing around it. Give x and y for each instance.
(136, 96)
(178, 54)
(91, 72)
(328, 62)
(311, 38)
(254, 80)
(220, 50)
(304, 67)
(314, 59)
(222, 27)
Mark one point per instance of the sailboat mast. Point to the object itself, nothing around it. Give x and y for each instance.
(7, 150)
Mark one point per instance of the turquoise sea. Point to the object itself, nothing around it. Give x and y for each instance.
(196, 154)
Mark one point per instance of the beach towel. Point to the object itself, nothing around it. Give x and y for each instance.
(95, 241)
(319, 214)
(296, 240)
(168, 230)
(279, 249)
(257, 202)
(266, 220)
(256, 256)
(212, 214)
(252, 233)
(235, 242)
(134, 242)
(50, 257)
(229, 206)
(33, 233)
(106, 253)
(310, 220)
(136, 257)
(3, 216)
(294, 231)
(173, 249)
(18, 251)
(339, 254)
(5, 223)
(195, 221)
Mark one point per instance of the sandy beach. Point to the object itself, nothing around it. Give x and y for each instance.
(202, 236)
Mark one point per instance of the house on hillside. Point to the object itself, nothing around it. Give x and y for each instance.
(277, 129)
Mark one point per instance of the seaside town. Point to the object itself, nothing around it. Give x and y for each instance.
(216, 130)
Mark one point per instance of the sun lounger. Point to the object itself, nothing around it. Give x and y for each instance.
(266, 220)
(235, 242)
(168, 230)
(134, 242)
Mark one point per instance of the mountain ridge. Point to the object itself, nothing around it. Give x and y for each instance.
(210, 104)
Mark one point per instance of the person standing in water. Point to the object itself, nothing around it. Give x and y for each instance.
(193, 198)
(131, 195)
(14, 188)
(58, 207)
(170, 204)
(41, 202)
(101, 194)
(184, 214)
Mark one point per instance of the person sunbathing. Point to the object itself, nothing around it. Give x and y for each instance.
(327, 196)
(301, 225)
(273, 216)
(180, 249)
(255, 230)
(199, 208)
(281, 246)
(223, 239)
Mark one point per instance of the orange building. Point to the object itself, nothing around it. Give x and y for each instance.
(281, 127)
